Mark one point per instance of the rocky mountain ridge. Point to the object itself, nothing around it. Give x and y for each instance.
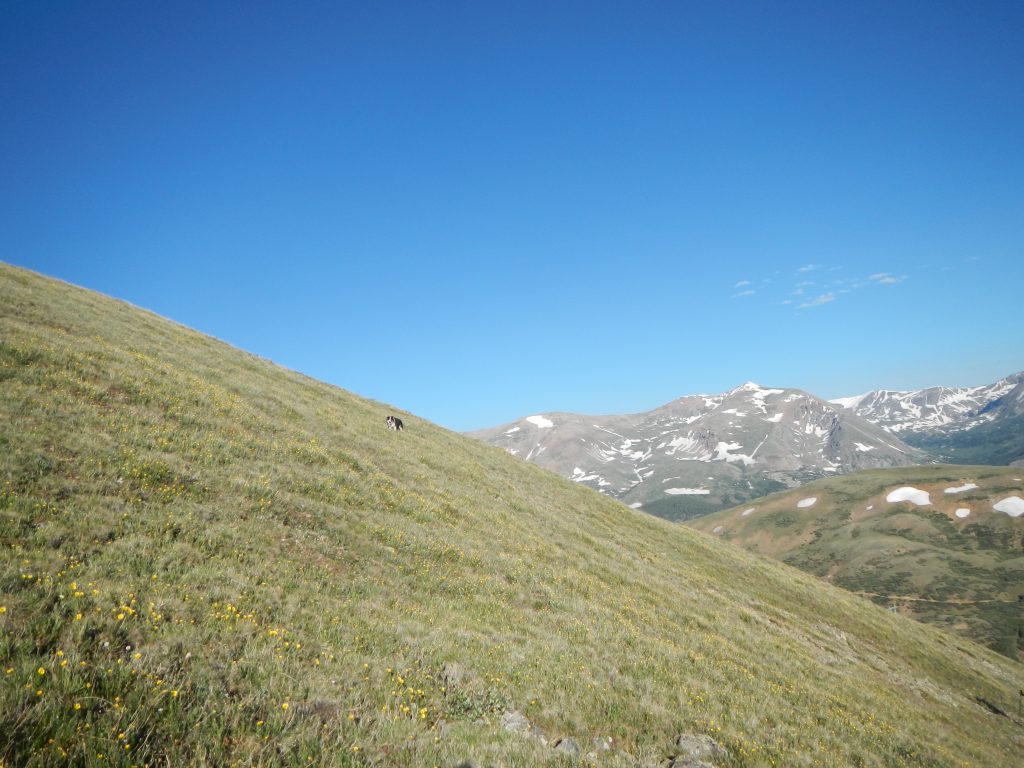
(700, 453)
(949, 408)
(962, 425)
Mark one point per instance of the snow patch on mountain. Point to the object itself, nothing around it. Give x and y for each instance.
(849, 403)
(540, 421)
(962, 488)
(687, 491)
(723, 454)
(808, 502)
(911, 494)
(1011, 505)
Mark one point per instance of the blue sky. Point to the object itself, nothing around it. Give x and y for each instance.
(481, 210)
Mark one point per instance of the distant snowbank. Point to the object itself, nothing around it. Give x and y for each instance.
(908, 493)
(962, 488)
(1011, 505)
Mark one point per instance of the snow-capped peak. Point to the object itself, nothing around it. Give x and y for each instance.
(849, 403)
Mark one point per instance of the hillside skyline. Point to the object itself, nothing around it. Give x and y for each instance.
(478, 213)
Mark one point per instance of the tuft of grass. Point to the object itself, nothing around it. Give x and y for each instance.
(210, 560)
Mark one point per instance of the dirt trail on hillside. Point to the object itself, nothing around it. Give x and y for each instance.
(951, 601)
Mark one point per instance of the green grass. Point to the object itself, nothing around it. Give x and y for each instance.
(966, 575)
(209, 560)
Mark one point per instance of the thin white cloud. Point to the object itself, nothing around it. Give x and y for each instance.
(741, 283)
(817, 301)
(884, 278)
(804, 283)
(744, 293)
(808, 268)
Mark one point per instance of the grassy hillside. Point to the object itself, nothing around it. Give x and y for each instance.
(210, 560)
(962, 573)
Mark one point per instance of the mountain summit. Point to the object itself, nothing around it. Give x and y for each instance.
(700, 453)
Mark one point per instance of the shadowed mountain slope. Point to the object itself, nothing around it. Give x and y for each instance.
(210, 560)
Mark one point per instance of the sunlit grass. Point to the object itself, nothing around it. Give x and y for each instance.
(217, 561)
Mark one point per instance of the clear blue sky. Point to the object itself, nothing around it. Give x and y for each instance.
(481, 210)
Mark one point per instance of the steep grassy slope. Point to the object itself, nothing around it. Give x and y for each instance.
(211, 560)
(965, 573)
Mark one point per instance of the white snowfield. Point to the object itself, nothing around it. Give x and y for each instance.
(805, 503)
(962, 488)
(1011, 505)
(723, 454)
(963, 512)
(864, 448)
(687, 491)
(908, 493)
(849, 402)
(540, 421)
(746, 512)
(718, 529)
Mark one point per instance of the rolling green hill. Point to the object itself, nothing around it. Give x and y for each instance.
(964, 572)
(209, 560)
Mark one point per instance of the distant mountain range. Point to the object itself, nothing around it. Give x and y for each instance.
(702, 453)
(963, 425)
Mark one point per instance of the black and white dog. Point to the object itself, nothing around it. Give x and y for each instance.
(395, 423)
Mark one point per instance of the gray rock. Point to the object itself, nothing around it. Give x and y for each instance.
(599, 746)
(699, 745)
(695, 748)
(569, 746)
(515, 722)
